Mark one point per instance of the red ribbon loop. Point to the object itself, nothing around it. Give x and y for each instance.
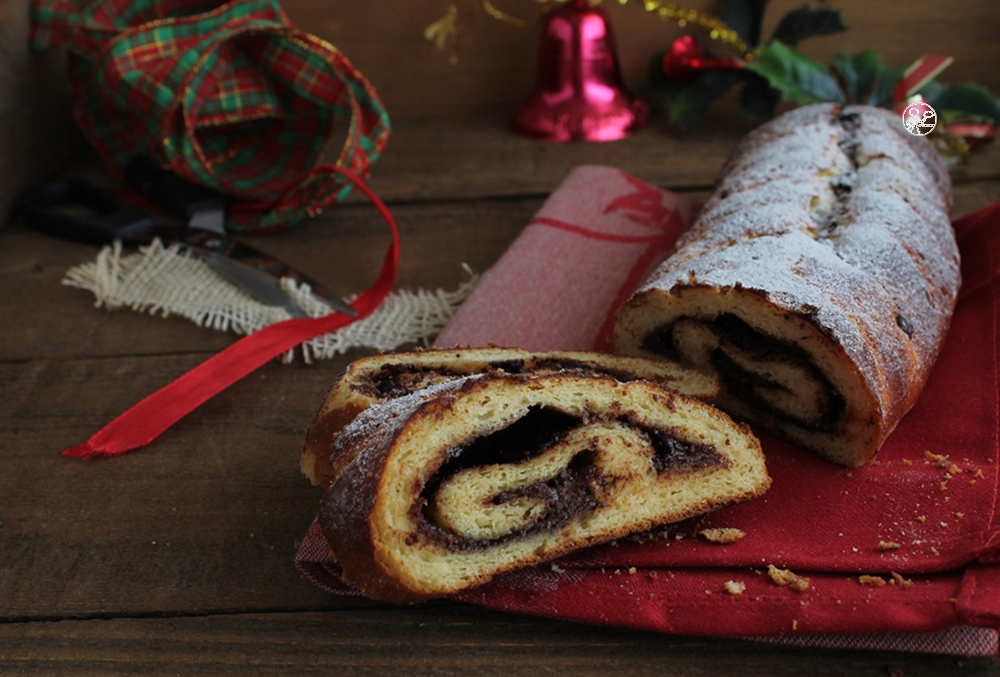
(148, 419)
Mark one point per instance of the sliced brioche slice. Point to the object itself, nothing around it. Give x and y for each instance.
(381, 377)
(464, 480)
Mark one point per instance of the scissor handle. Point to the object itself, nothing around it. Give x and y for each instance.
(78, 210)
(177, 195)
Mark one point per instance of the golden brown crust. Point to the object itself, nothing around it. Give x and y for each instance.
(320, 436)
(381, 377)
(422, 509)
(819, 280)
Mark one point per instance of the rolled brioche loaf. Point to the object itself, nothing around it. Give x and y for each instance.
(818, 282)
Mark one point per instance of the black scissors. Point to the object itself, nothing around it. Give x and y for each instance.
(79, 210)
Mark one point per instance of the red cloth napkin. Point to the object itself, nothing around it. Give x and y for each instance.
(909, 544)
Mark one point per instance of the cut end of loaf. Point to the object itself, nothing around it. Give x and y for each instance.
(777, 370)
(378, 378)
(818, 281)
(500, 472)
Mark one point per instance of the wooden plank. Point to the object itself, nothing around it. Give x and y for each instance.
(479, 156)
(342, 248)
(204, 520)
(421, 641)
(37, 133)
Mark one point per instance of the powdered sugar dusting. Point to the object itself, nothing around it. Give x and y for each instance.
(372, 433)
(835, 209)
(379, 423)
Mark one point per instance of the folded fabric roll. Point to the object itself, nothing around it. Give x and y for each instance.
(377, 378)
(463, 480)
(818, 281)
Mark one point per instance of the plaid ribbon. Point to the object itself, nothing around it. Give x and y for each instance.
(228, 95)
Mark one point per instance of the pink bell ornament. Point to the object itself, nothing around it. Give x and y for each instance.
(579, 94)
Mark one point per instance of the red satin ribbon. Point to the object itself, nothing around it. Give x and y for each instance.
(920, 72)
(148, 419)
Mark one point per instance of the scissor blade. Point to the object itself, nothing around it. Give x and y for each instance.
(239, 252)
(204, 210)
(260, 285)
(212, 219)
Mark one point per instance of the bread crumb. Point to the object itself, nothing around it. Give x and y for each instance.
(784, 577)
(903, 583)
(922, 518)
(934, 551)
(954, 469)
(722, 535)
(907, 461)
(871, 580)
(959, 515)
(734, 587)
(631, 571)
(556, 568)
(944, 486)
(941, 459)
(795, 624)
(979, 474)
(887, 545)
(652, 574)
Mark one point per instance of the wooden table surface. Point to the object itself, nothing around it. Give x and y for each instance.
(179, 558)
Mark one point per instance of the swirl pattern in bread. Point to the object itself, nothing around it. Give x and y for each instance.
(378, 378)
(818, 282)
(456, 483)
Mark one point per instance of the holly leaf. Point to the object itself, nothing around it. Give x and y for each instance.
(796, 76)
(884, 86)
(804, 22)
(864, 78)
(745, 17)
(689, 106)
(968, 99)
(758, 98)
(857, 73)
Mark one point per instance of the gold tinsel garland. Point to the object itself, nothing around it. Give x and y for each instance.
(444, 31)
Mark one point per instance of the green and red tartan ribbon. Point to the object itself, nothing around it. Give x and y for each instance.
(228, 95)
(233, 97)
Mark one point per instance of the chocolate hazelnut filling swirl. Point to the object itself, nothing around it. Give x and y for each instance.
(378, 378)
(458, 482)
(818, 282)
